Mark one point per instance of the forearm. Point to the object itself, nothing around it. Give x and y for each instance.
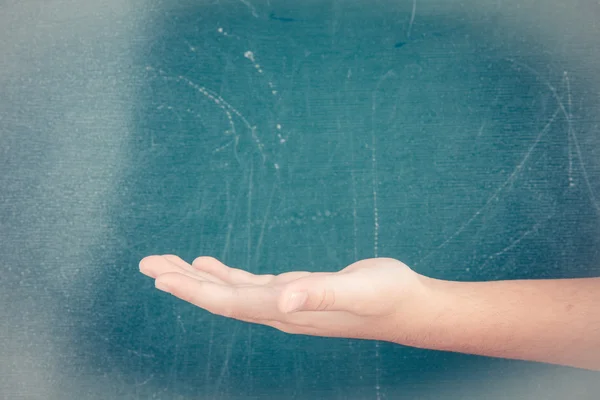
(554, 321)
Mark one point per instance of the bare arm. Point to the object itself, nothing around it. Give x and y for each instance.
(553, 321)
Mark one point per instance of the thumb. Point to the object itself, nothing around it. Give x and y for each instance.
(322, 292)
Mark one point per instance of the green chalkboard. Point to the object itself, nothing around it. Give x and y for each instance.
(460, 137)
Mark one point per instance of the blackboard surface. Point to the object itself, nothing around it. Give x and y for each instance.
(460, 137)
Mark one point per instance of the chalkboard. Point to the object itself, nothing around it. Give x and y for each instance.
(460, 137)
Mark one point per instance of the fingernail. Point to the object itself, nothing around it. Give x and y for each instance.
(295, 301)
(162, 286)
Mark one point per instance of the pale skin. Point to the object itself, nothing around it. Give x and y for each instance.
(552, 321)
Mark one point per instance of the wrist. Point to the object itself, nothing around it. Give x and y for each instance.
(552, 321)
(418, 319)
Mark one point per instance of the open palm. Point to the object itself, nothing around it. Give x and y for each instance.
(367, 299)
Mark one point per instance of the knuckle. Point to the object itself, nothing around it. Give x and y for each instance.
(331, 300)
(322, 297)
(326, 300)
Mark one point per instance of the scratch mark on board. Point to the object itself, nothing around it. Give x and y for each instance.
(412, 19)
(227, 108)
(586, 177)
(223, 147)
(263, 226)
(230, 223)
(375, 184)
(249, 351)
(145, 381)
(140, 354)
(248, 257)
(494, 196)
(193, 49)
(227, 240)
(482, 127)
(249, 217)
(572, 133)
(569, 135)
(180, 322)
(225, 366)
(354, 192)
(250, 7)
(375, 178)
(252, 57)
(516, 242)
(211, 340)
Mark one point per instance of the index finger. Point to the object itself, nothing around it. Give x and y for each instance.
(244, 302)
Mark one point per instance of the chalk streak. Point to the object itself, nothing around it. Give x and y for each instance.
(263, 226)
(250, 7)
(516, 242)
(412, 19)
(495, 195)
(572, 133)
(249, 217)
(225, 106)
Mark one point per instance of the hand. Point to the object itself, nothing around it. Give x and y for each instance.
(383, 299)
(378, 298)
